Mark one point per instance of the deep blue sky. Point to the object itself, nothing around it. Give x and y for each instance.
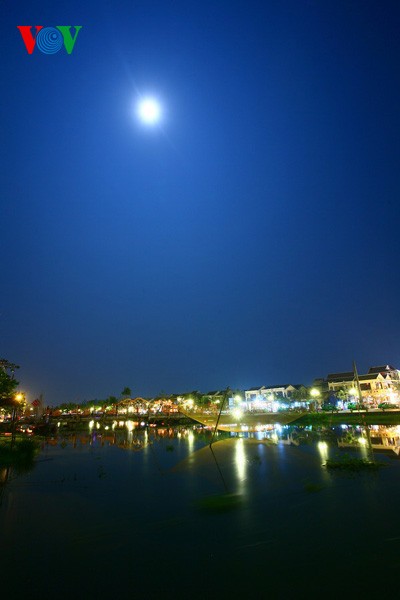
(251, 239)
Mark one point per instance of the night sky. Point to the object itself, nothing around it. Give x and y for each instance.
(250, 238)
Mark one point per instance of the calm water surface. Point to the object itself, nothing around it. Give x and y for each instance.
(122, 514)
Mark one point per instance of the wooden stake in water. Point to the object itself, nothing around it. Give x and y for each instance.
(219, 415)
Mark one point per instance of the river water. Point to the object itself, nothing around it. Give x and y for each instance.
(155, 512)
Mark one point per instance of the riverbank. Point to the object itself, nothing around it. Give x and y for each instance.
(82, 423)
(350, 418)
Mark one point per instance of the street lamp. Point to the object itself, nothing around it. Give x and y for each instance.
(19, 398)
(315, 394)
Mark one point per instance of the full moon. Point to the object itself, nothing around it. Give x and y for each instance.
(149, 111)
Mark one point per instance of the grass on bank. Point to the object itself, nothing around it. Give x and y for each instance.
(369, 418)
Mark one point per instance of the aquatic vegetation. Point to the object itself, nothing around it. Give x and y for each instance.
(311, 488)
(101, 472)
(220, 503)
(350, 463)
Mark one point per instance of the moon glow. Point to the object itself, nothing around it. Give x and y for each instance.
(149, 111)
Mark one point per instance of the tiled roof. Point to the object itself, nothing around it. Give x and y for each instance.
(381, 369)
(340, 376)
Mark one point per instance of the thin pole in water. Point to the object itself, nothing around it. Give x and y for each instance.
(219, 415)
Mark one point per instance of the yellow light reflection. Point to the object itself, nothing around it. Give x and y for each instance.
(190, 438)
(323, 450)
(240, 461)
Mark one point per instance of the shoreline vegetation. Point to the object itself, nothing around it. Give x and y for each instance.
(310, 418)
(352, 418)
(18, 453)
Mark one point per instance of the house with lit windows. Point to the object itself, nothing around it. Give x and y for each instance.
(379, 384)
(268, 397)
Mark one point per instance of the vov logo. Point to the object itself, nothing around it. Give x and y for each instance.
(49, 40)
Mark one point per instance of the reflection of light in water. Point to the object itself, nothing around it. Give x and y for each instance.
(240, 460)
(323, 450)
(363, 442)
(130, 427)
(91, 423)
(190, 441)
(97, 425)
